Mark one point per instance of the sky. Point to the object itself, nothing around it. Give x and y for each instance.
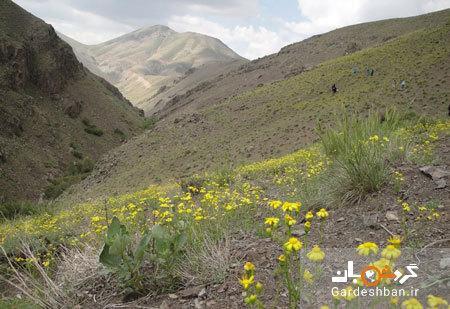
(252, 28)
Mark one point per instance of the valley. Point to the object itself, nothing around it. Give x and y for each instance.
(160, 169)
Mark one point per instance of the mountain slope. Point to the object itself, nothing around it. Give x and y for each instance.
(294, 59)
(55, 117)
(141, 62)
(279, 118)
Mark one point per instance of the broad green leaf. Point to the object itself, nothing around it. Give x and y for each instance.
(107, 259)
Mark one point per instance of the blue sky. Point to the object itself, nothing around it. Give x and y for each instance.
(253, 28)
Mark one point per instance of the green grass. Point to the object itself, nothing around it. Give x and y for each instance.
(15, 210)
(75, 172)
(91, 129)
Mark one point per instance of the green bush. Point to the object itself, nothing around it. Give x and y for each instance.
(160, 245)
(360, 150)
(59, 185)
(149, 122)
(76, 172)
(120, 133)
(91, 129)
(13, 210)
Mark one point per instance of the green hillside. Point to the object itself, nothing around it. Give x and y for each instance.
(56, 118)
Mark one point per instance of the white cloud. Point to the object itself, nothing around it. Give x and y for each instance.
(248, 41)
(245, 31)
(326, 15)
(85, 27)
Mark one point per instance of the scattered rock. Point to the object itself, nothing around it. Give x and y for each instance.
(445, 262)
(164, 305)
(298, 232)
(358, 239)
(440, 183)
(173, 296)
(391, 215)
(199, 304)
(210, 304)
(191, 292)
(340, 219)
(370, 220)
(202, 294)
(434, 172)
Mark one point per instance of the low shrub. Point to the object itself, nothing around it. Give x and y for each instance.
(361, 150)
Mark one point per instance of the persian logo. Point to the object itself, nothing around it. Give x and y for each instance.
(371, 275)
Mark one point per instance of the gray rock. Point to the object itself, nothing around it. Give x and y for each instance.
(298, 232)
(434, 172)
(440, 183)
(391, 215)
(370, 220)
(191, 292)
(445, 262)
(202, 294)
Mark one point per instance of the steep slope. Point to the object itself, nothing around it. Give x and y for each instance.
(292, 60)
(151, 59)
(280, 117)
(54, 115)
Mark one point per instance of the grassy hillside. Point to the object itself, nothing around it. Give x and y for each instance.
(181, 238)
(281, 117)
(56, 119)
(293, 60)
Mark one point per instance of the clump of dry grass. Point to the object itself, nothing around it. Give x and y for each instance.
(208, 262)
(79, 279)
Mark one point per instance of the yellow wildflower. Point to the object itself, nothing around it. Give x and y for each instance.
(288, 206)
(366, 248)
(307, 226)
(250, 299)
(316, 254)
(246, 281)
(412, 303)
(406, 207)
(390, 252)
(275, 204)
(374, 138)
(96, 219)
(349, 294)
(309, 215)
(435, 302)
(282, 258)
(308, 276)
(394, 300)
(293, 244)
(322, 213)
(395, 240)
(289, 220)
(258, 287)
(272, 221)
(382, 263)
(249, 266)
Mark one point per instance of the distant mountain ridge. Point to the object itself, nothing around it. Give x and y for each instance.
(149, 60)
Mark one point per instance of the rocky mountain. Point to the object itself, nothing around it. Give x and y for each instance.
(271, 106)
(148, 61)
(56, 118)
